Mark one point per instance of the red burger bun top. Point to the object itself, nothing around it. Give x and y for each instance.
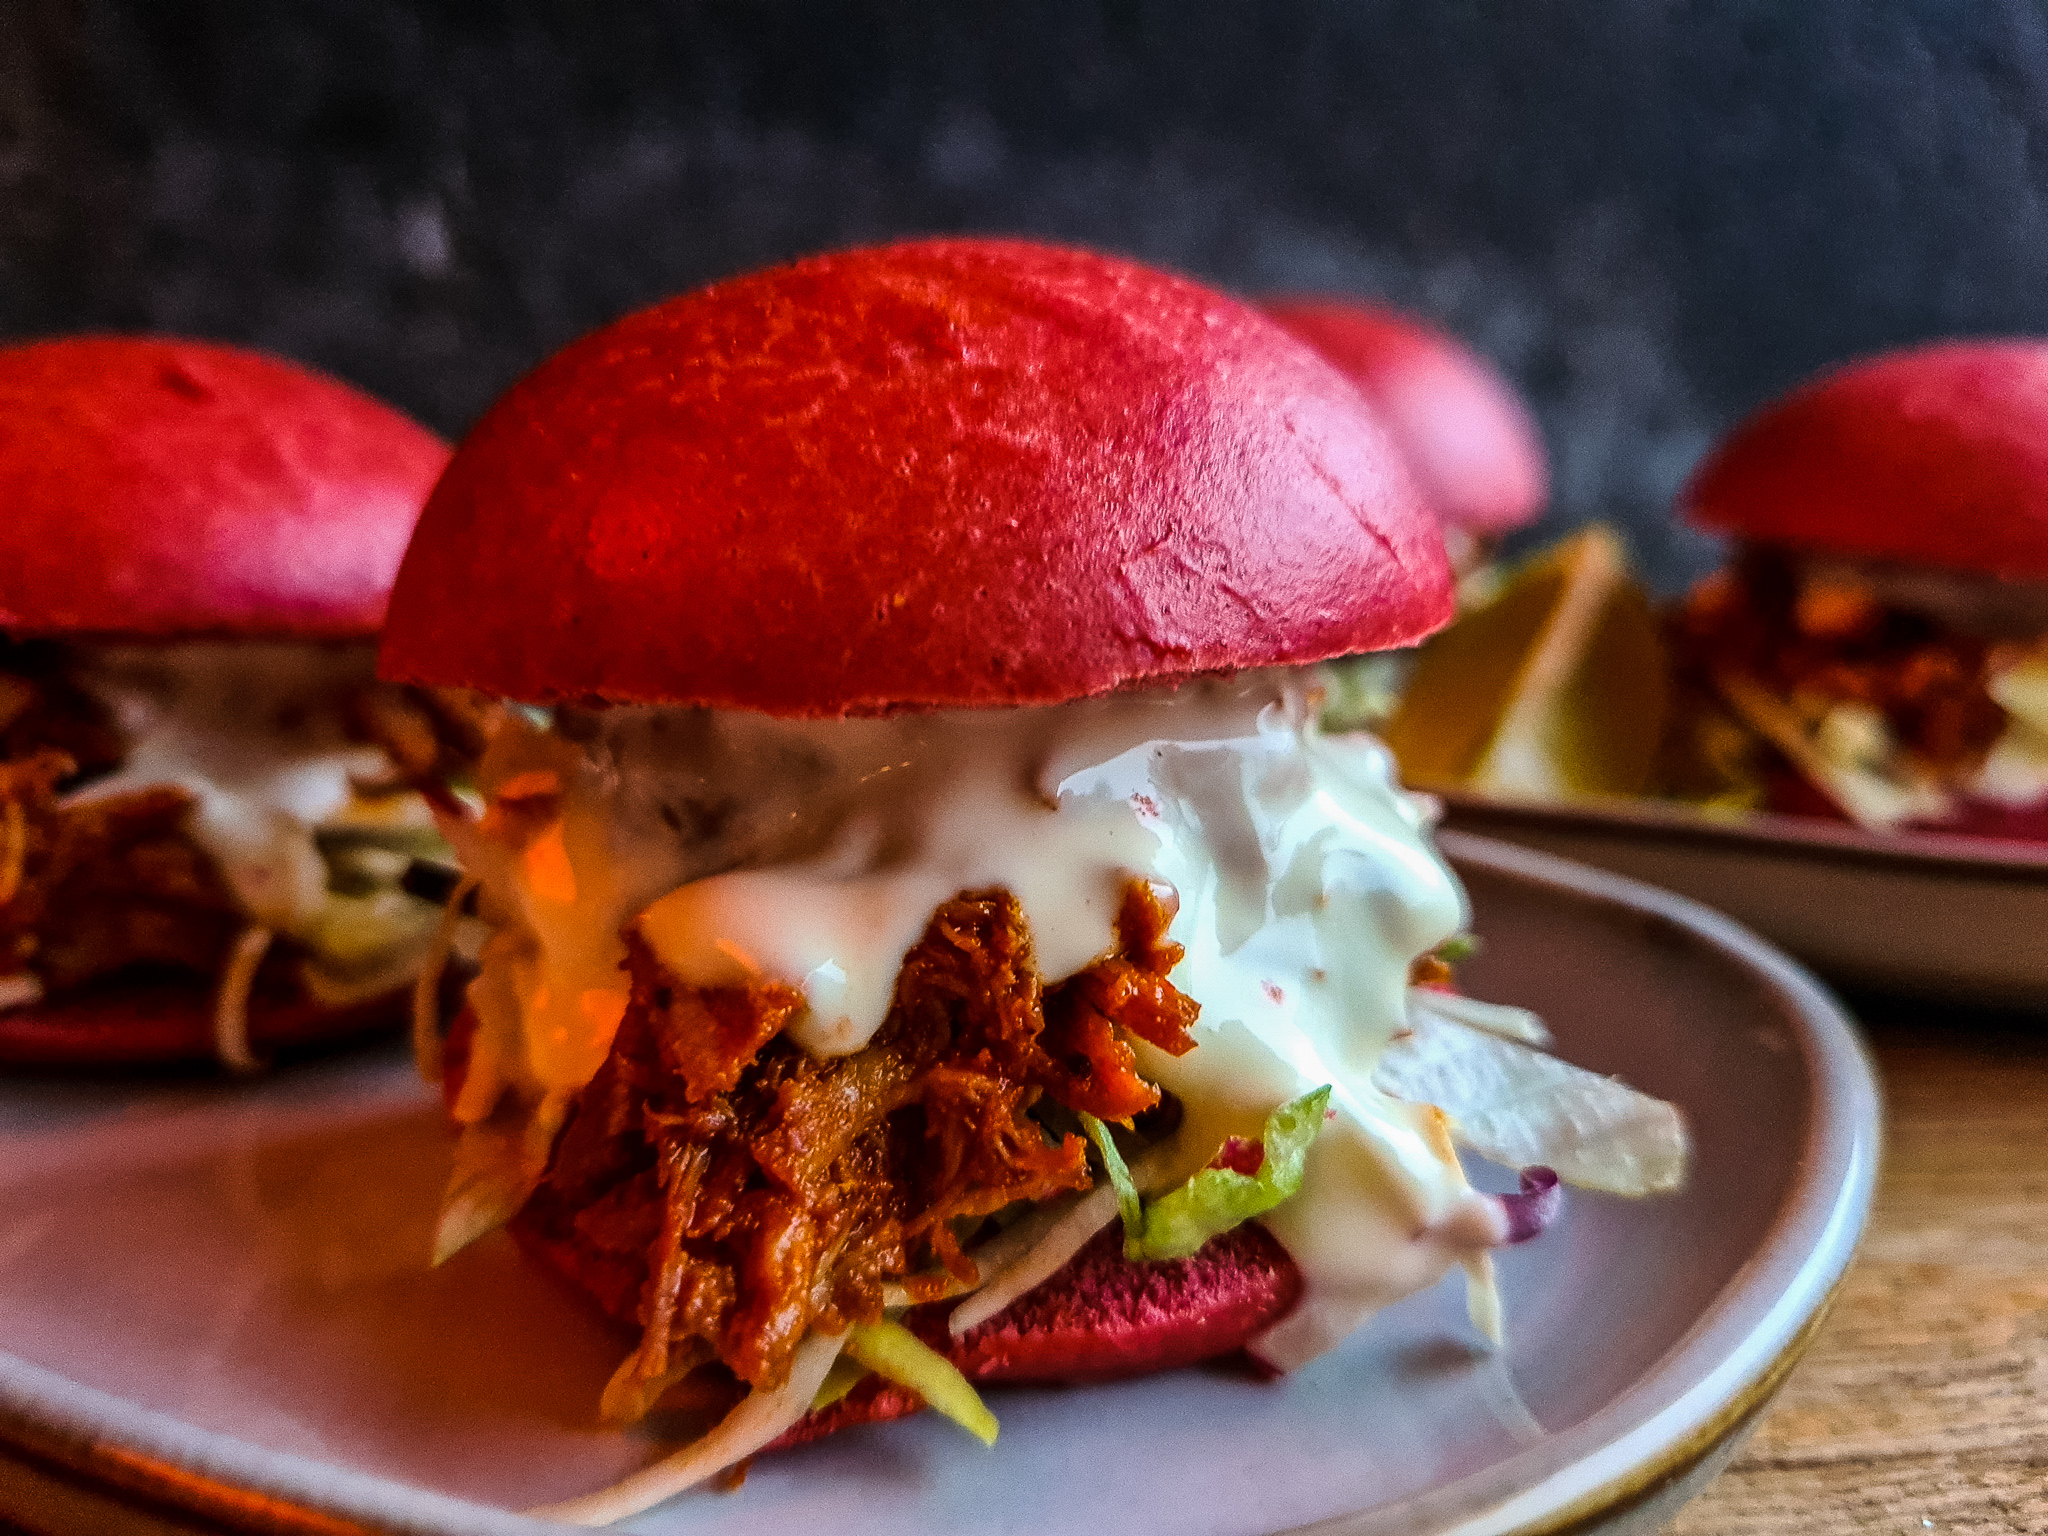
(1936, 455)
(158, 489)
(1469, 440)
(947, 473)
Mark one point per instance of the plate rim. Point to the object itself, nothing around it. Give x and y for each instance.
(1832, 1195)
(155, 1461)
(1953, 854)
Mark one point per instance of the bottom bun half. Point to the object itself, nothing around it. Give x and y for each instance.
(1101, 1317)
(162, 1023)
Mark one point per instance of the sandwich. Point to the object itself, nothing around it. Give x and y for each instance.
(1874, 651)
(931, 940)
(201, 850)
(1877, 650)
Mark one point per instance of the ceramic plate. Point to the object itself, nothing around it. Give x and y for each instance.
(216, 1310)
(1924, 912)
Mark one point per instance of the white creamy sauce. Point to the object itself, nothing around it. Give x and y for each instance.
(814, 854)
(241, 729)
(257, 734)
(1308, 888)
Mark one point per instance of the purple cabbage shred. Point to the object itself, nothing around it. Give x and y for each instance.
(1536, 1207)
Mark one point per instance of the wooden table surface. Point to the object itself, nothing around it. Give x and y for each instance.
(1923, 1404)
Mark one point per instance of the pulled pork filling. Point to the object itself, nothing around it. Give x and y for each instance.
(1291, 875)
(1837, 642)
(94, 889)
(785, 1026)
(160, 803)
(87, 890)
(1803, 688)
(726, 1191)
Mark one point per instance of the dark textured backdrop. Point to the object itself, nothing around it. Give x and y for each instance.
(1653, 214)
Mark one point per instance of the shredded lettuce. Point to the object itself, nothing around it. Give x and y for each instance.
(367, 935)
(758, 1420)
(1217, 1199)
(1494, 1018)
(1128, 1205)
(497, 1165)
(1054, 1236)
(889, 1349)
(1361, 693)
(1521, 1107)
(1482, 1299)
(632, 1392)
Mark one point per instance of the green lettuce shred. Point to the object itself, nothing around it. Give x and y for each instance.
(1128, 1205)
(1217, 1199)
(889, 1349)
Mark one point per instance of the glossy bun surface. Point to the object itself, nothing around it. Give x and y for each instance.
(944, 473)
(1469, 439)
(1937, 455)
(157, 488)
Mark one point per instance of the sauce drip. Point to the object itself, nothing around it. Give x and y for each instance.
(743, 848)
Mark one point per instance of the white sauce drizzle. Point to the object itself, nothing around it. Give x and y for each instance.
(253, 734)
(814, 854)
(257, 733)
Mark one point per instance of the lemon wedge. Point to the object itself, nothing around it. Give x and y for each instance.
(1556, 687)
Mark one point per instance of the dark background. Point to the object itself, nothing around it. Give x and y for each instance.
(1653, 215)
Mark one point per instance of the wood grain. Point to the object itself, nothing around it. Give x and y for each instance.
(1923, 1405)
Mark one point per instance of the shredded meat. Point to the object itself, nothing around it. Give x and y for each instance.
(43, 709)
(755, 1190)
(431, 735)
(709, 1034)
(101, 886)
(89, 889)
(1926, 679)
(1092, 1067)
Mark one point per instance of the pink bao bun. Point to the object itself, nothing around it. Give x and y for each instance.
(158, 488)
(1937, 455)
(1469, 440)
(947, 473)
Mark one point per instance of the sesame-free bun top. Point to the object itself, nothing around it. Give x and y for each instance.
(1469, 440)
(156, 488)
(1937, 455)
(935, 474)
